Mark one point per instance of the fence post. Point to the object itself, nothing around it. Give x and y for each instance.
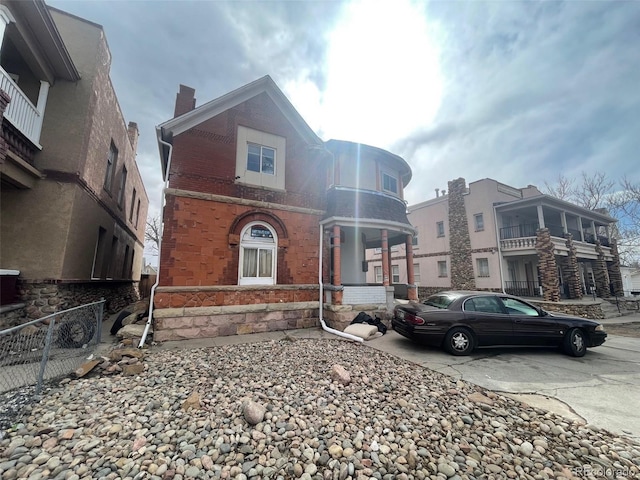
(45, 354)
(99, 314)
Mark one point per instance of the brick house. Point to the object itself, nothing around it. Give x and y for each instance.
(255, 204)
(491, 236)
(73, 205)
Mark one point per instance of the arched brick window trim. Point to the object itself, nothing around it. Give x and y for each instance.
(258, 216)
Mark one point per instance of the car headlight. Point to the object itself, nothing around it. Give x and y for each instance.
(600, 328)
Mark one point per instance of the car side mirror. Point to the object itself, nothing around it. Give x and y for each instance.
(543, 313)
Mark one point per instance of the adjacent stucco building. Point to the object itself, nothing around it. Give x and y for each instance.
(490, 236)
(73, 205)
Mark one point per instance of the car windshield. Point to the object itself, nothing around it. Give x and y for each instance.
(439, 301)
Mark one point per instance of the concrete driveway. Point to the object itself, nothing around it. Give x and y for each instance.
(602, 388)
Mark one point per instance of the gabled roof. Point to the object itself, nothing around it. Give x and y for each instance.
(167, 130)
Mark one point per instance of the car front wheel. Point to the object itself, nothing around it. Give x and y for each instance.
(575, 343)
(459, 341)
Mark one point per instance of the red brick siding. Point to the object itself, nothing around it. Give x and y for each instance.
(197, 249)
(204, 157)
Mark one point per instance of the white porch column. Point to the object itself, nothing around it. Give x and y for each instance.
(563, 220)
(43, 94)
(594, 232)
(580, 228)
(540, 217)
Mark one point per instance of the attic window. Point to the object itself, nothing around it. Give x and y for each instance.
(261, 159)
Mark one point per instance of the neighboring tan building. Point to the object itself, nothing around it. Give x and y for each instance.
(73, 205)
(491, 236)
(258, 209)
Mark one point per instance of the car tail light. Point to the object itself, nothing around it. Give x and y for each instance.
(412, 319)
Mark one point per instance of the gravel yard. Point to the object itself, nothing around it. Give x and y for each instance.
(394, 420)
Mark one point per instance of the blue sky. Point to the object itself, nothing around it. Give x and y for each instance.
(516, 91)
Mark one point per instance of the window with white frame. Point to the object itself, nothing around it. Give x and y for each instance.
(378, 272)
(258, 243)
(479, 222)
(440, 229)
(395, 273)
(260, 158)
(482, 265)
(389, 183)
(442, 268)
(416, 273)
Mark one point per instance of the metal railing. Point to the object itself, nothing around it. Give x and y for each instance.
(519, 231)
(49, 347)
(522, 288)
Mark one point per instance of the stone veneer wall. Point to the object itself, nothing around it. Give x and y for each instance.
(220, 321)
(44, 298)
(615, 275)
(585, 310)
(601, 274)
(572, 270)
(548, 266)
(462, 275)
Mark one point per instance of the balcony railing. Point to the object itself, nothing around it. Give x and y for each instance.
(522, 288)
(20, 111)
(518, 231)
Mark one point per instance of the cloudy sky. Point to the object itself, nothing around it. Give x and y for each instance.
(516, 91)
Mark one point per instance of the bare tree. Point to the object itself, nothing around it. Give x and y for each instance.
(562, 189)
(597, 191)
(153, 232)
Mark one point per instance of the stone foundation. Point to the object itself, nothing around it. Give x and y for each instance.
(44, 298)
(340, 317)
(590, 310)
(222, 321)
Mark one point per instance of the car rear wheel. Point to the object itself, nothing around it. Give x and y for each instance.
(459, 341)
(575, 343)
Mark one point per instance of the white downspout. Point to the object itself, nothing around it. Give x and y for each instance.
(500, 268)
(321, 303)
(155, 285)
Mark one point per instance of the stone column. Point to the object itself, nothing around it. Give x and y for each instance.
(601, 273)
(615, 275)
(412, 290)
(385, 257)
(572, 269)
(462, 275)
(548, 266)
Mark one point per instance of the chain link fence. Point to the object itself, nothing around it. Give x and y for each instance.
(49, 347)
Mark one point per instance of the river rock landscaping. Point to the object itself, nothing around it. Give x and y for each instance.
(309, 409)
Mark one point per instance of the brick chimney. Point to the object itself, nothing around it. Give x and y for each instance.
(185, 100)
(134, 133)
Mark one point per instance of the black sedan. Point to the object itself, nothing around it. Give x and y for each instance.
(460, 321)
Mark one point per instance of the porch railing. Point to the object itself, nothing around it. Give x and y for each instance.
(49, 347)
(21, 112)
(522, 288)
(518, 231)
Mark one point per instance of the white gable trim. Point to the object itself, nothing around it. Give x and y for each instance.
(184, 122)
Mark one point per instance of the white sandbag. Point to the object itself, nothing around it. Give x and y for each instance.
(362, 330)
